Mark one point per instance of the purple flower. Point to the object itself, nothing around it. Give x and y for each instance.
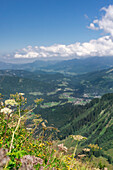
(29, 161)
(3, 157)
(62, 148)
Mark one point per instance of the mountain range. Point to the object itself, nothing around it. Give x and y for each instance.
(76, 66)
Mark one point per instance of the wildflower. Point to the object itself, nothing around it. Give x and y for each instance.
(11, 102)
(61, 147)
(41, 145)
(3, 157)
(94, 147)
(78, 137)
(21, 94)
(2, 103)
(29, 161)
(86, 149)
(43, 124)
(29, 128)
(38, 101)
(81, 156)
(6, 110)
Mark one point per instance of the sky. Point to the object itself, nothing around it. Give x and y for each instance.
(57, 29)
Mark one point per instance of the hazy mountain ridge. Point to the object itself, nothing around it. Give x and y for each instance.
(77, 66)
(83, 65)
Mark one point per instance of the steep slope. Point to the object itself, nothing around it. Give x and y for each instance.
(95, 122)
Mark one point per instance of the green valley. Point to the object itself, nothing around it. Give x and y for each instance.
(75, 105)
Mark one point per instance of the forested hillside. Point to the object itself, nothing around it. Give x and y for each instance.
(95, 121)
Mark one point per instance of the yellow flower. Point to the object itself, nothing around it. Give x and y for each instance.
(69, 158)
(94, 146)
(41, 145)
(37, 101)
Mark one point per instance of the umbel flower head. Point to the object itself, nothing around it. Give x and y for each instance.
(11, 102)
(78, 137)
(18, 97)
(6, 110)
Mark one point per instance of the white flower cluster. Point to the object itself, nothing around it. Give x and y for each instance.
(11, 102)
(21, 94)
(6, 110)
(78, 137)
(86, 149)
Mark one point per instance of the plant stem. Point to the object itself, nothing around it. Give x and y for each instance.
(5, 130)
(13, 136)
(75, 150)
(73, 154)
(15, 131)
(18, 124)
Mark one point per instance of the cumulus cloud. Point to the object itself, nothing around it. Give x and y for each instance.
(105, 23)
(102, 46)
(92, 26)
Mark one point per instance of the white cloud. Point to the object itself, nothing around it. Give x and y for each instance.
(102, 46)
(93, 27)
(106, 22)
(27, 55)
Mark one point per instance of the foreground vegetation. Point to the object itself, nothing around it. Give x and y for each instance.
(27, 143)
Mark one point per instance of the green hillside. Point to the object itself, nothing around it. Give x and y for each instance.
(95, 121)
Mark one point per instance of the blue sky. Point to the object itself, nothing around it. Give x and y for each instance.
(48, 22)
